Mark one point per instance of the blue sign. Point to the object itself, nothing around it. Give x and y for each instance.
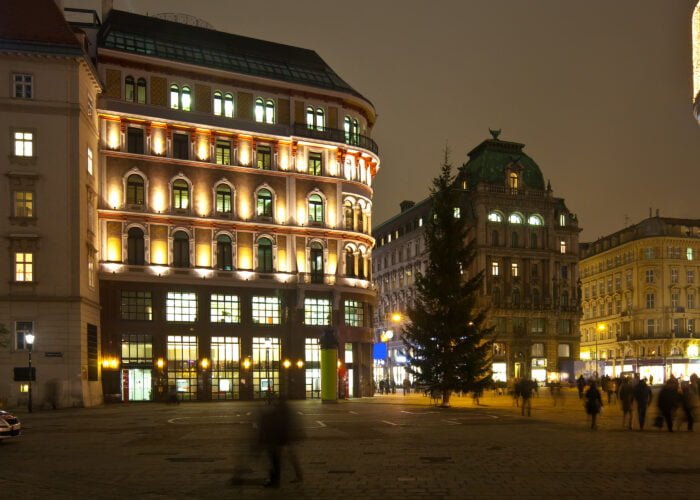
(380, 351)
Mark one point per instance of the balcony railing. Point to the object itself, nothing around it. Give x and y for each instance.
(335, 135)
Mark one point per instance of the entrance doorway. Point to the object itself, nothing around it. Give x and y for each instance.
(137, 384)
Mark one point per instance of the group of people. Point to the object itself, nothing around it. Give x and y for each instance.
(636, 394)
(389, 386)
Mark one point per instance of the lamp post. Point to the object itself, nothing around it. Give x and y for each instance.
(29, 339)
(268, 344)
(599, 329)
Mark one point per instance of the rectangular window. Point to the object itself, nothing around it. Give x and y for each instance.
(24, 266)
(181, 306)
(23, 205)
(266, 366)
(691, 301)
(92, 352)
(564, 350)
(562, 246)
(354, 313)
(223, 152)
(564, 326)
(676, 325)
(537, 325)
(690, 276)
(24, 144)
(651, 327)
(89, 161)
(649, 253)
(312, 359)
(317, 311)
(23, 84)
(134, 140)
(514, 271)
(691, 326)
(650, 300)
(675, 300)
(266, 310)
(225, 367)
(90, 105)
(22, 329)
(674, 275)
(225, 309)
(562, 220)
(649, 276)
(91, 270)
(689, 253)
(182, 365)
(181, 146)
(137, 349)
(348, 352)
(136, 306)
(315, 163)
(537, 350)
(263, 157)
(456, 212)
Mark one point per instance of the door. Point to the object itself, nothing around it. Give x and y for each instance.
(139, 384)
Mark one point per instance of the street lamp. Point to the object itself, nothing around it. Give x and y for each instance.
(29, 339)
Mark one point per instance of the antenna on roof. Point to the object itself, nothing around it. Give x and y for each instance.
(176, 17)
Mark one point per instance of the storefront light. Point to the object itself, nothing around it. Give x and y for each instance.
(693, 351)
(246, 363)
(286, 363)
(160, 363)
(204, 363)
(300, 364)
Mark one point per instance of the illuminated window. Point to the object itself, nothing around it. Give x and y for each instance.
(354, 313)
(181, 195)
(24, 266)
(223, 199)
(224, 253)
(181, 249)
(562, 246)
(23, 205)
(263, 205)
(315, 163)
(135, 190)
(266, 366)
(23, 86)
(650, 300)
(535, 220)
(514, 270)
(315, 208)
(182, 365)
(141, 91)
(174, 96)
(136, 306)
(22, 329)
(269, 111)
(562, 220)
(316, 262)
(181, 307)
(495, 270)
(564, 350)
(89, 161)
(225, 309)
(218, 103)
(513, 181)
(259, 110)
(495, 217)
(312, 361)
(515, 219)
(689, 253)
(225, 367)
(317, 312)
(264, 255)
(456, 212)
(315, 118)
(352, 131)
(228, 105)
(223, 152)
(186, 99)
(180, 98)
(24, 144)
(266, 310)
(264, 157)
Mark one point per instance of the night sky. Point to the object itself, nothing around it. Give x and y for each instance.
(599, 91)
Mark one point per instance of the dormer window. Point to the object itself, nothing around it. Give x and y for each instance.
(513, 181)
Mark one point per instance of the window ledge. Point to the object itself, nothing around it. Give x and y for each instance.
(23, 160)
(22, 221)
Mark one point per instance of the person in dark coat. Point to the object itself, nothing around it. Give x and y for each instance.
(626, 396)
(642, 396)
(669, 401)
(594, 403)
(278, 430)
(580, 384)
(525, 388)
(690, 403)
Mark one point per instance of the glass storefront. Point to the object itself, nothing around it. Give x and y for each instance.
(225, 367)
(312, 360)
(498, 372)
(137, 365)
(182, 365)
(266, 366)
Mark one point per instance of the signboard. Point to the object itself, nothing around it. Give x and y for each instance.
(22, 374)
(51, 354)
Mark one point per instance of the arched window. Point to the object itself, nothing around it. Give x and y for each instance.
(533, 240)
(135, 247)
(495, 217)
(174, 96)
(316, 209)
(181, 195)
(269, 111)
(129, 89)
(263, 205)
(264, 255)
(350, 262)
(259, 110)
(224, 254)
(320, 119)
(361, 271)
(513, 181)
(535, 220)
(135, 190)
(514, 240)
(228, 105)
(310, 117)
(316, 262)
(347, 126)
(360, 220)
(181, 249)
(141, 91)
(494, 238)
(355, 132)
(515, 219)
(186, 99)
(223, 199)
(515, 297)
(218, 103)
(347, 215)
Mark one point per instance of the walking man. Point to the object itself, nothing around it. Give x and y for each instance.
(642, 396)
(626, 399)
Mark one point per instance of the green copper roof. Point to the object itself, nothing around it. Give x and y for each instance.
(489, 160)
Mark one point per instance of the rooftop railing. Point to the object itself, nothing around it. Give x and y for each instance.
(335, 135)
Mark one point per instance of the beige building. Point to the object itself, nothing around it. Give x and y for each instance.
(49, 179)
(639, 298)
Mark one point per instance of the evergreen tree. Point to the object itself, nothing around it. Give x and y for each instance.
(445, 338)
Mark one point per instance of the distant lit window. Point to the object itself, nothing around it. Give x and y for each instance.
(315, 208)
(218, 103)
(129, 89)
(181, 307)
(259, 110)
(315, 165)
(265, 264)
(225, 309)
(562, 220)
(223, 152)
(562, 246)
(535, 220)
(136, 305)
(457, 212)
(317, 312)
(514, 270)
(181, 195)
(354, 313)
(141, 91)
(224, 253)
(266, 310)
(495, 217)
(24, 266)
(263, 157)
(650, 300)
(23, 86)
(263, 206)
(181, 98)
(223, 199)
(135, 190)
(315, 118)
(269, 111)
(23, 205)
(89, 161)
(495, 270)
(228, 105)
(515, 219)
(689, 253)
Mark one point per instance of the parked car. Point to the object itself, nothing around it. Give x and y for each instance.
(10, 425)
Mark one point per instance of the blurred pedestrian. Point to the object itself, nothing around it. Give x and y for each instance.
(525, 388)
(580, 384)
(642, 396)
(669, 400)
(406, 386)
(594, 403)
(690, 403)
(279, 431)
(626, 395)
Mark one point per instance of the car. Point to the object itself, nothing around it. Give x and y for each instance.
(10, 425)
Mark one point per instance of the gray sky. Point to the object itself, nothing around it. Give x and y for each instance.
(598, 90)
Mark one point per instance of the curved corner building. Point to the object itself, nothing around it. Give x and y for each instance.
(235, 215)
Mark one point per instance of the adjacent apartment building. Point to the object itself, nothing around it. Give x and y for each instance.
(527, 246)
(640, 291)
(230, 185)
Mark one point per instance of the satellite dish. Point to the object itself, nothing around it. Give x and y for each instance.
(177, 17)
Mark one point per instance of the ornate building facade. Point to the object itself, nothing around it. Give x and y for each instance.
(640, 291)
(230, 187)
(527, 246)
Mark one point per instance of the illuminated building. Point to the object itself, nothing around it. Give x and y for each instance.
(226, 210)
(527, 246)
(639, 300)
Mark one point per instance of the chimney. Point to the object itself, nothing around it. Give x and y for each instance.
(107, 6)
(406, 204)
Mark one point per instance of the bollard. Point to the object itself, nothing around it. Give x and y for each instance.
(329, 367)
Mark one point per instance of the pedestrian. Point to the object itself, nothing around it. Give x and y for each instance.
(525, 389)
(406, 386)
(651, 379)
(690, 403)
(642, 396)
(626, 396)
(580, 384)
(382, 384)
(279, 431)
(594, 403)
(669, 400)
